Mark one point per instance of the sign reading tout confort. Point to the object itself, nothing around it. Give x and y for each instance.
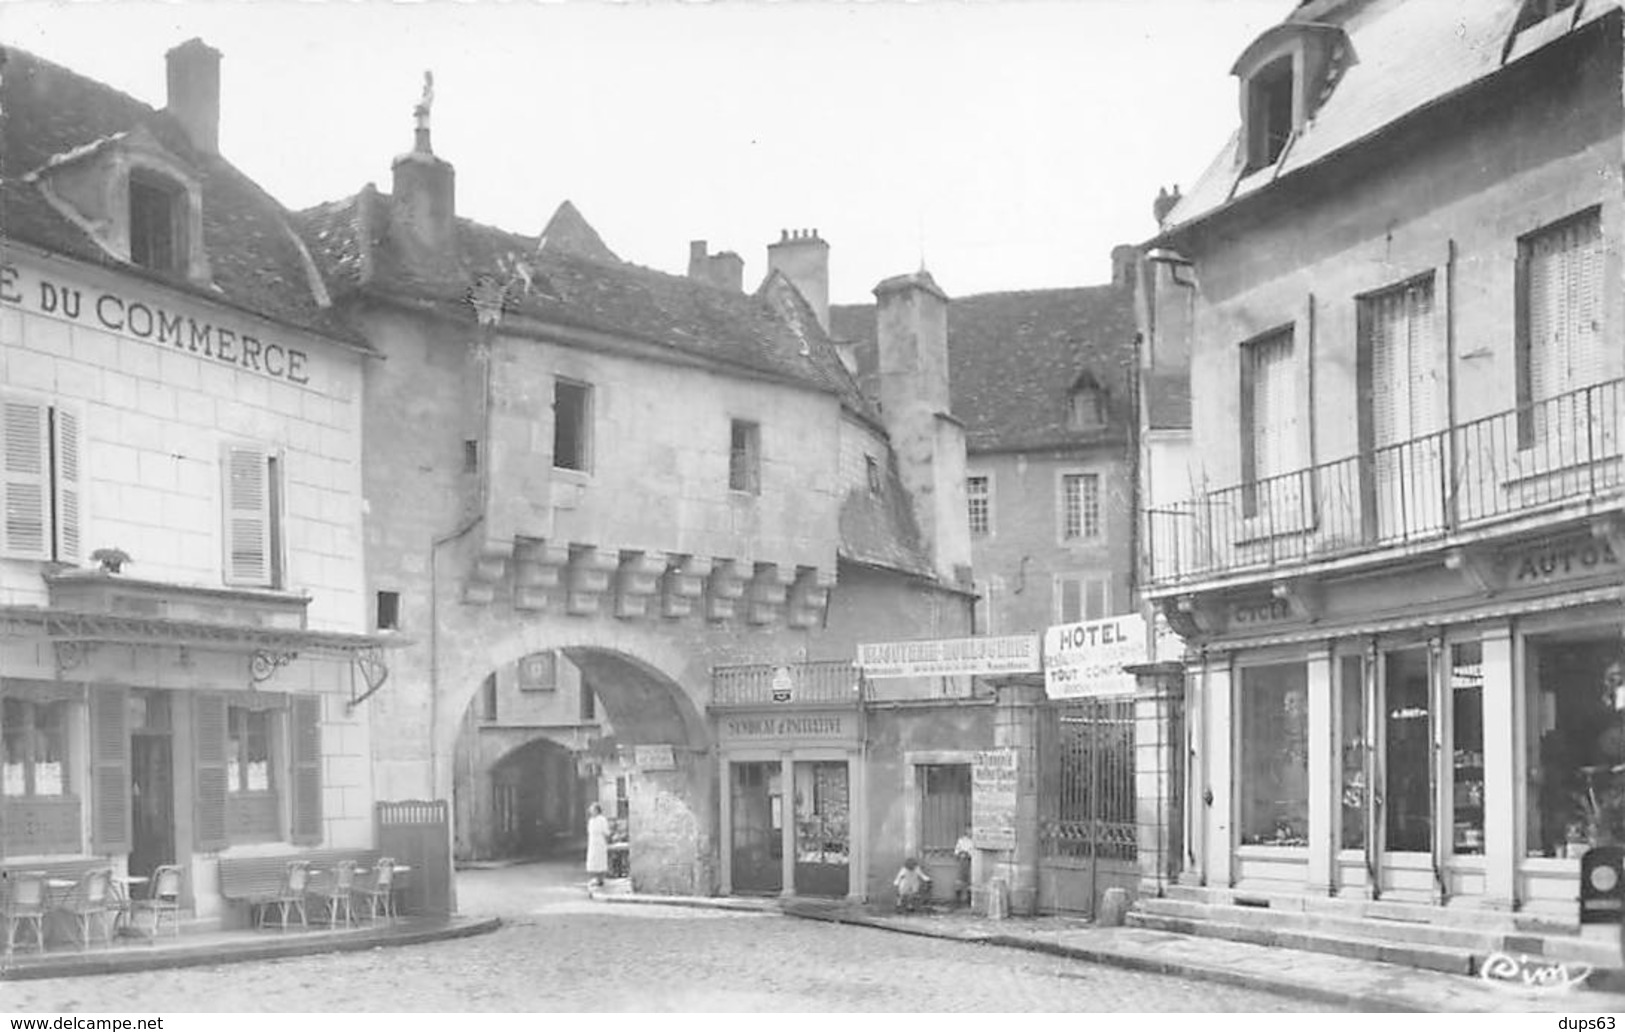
(134, 317)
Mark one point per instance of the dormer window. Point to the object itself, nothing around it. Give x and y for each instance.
(1087, 405)
(157, 214)
(1269, 113)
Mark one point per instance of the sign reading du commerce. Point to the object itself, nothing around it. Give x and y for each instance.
(1013, 654)
(1088, 658)
(131, 316)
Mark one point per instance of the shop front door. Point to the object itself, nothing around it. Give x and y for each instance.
(152, 803)
(823, 861)
(757, 835)
(1406, 815)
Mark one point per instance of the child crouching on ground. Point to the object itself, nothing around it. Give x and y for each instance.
(912, 885)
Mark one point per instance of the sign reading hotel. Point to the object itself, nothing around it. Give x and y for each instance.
(1013, 654)
(144, 319)
(993, 785)
(1088, 658)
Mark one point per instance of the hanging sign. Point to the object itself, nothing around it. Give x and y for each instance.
(1012, 654)
(784, 684)
(993, 799)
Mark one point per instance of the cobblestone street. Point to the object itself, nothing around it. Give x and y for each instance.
(560, 951)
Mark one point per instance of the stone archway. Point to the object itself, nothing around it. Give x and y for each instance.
(670, 797)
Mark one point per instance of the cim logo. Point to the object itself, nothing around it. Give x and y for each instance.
(1553, 562)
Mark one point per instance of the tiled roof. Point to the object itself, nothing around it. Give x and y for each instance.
(569, 277)
(255, 260)
(880, 529)
(1014, 357)
(1402, 55)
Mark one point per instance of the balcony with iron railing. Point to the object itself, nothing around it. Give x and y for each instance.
(826, 682)
(1544, 460)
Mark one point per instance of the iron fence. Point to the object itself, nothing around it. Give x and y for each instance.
(1087, 794)
(1561, 450)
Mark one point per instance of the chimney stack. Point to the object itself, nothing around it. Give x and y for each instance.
(426, 185)
(803, 257)
(911, 334)
(724, 270)
(1125, 259)
(194, 92)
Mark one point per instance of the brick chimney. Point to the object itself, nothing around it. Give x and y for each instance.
(194, 92)
(724, 270)
(911, 324)
(803, 257)
(1125, 260)
(425, 184)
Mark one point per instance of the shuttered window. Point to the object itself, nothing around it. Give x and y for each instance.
(306, 741)
(252, 517)
(1082, 598)
(110, 771)
(209, 771)
(1403, 340)
(40, 480)
(1560, 303)
(1269, 415)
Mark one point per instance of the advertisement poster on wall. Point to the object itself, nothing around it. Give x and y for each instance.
(993, 799)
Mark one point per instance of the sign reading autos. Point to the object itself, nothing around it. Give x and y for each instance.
(1012, 654)
(1088, 658)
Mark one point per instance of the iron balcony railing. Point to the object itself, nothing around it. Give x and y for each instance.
(1559, 451)
(765, 684)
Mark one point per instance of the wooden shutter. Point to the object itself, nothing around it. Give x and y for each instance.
(1562, 295)
(209, 738)
(109, 771)
(24, 479)
(306, 739)
(66, 431)
(246, 490)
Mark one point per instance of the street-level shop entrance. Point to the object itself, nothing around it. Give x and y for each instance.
(756, 839)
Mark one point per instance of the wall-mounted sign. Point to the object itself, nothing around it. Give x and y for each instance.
(1561, 560)
(784, 685)
(538, 672)
(1012, 654)
(145, 319)
(654, 757)
(1260, 611)
(773, 727)
(993, 782)
(1088, 658)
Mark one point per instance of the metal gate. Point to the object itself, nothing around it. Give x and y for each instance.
(417, 833)
(1088, 828)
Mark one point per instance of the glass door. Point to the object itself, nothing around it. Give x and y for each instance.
(1355, 858)
(823, 829)
(757, 835)
(1408, 817)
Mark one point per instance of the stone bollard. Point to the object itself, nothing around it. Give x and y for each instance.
(998, 899)
(1113, 908)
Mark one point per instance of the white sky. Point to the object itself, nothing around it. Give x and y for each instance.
(1012, 142)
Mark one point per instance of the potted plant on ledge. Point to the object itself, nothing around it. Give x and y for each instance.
(111, 560)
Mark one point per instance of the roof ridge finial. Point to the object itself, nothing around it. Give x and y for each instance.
(421, 114)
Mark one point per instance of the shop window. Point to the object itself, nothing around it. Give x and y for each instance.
(744, 457)
(39, 480)
(1273, 756)
(944, 807)
(35, 741)
(1408, 752)
(252, 811)
(1574, 738)
(1352, 748)
(823, 812)
(572, 425)
(1467, 735)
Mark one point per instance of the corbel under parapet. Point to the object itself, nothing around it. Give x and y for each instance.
(589, 576)
(682, 585)
(723, 588)
(538, 575)
(490, 567)
(769, 590)
(809, 596)
(637, 580)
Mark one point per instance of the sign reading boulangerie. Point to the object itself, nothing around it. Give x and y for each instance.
(993, 776)
(1012, 654)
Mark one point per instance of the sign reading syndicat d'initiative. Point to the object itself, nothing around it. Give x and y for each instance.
(134, 317)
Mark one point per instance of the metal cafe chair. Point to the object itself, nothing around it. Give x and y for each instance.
(164, 898)
(379, 890)
(335, 891)
(24, 906)
(290, 894)
(90, 904)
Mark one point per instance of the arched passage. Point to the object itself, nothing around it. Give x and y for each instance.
(521, 750)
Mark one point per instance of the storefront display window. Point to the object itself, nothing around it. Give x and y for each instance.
(1273, 755)
(822, 811)
(1467, 733)
(1352, 748)
(34, 743)
(1408, 752)
(1575, 738)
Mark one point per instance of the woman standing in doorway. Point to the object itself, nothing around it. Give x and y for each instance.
(597, 845)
